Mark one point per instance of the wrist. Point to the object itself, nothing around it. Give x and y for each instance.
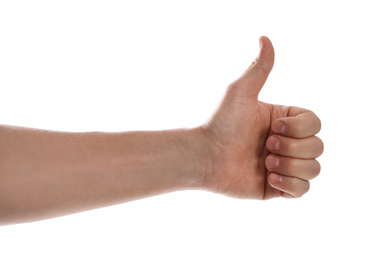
(199, 158)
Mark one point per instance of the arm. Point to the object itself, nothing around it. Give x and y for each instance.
(45, 174)
(248, 149)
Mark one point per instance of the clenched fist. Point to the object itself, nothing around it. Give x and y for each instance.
(248, 149)
(259, 150)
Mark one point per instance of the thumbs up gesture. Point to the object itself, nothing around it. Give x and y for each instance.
(260, 150)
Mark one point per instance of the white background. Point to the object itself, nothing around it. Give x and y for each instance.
(138, 65)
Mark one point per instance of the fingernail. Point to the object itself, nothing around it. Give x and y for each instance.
(279, 127)
(274, 143)
(272, 161)
(275, 178)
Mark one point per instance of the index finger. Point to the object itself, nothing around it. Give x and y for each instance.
(299, 123)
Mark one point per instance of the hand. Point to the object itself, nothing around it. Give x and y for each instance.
(260, 150)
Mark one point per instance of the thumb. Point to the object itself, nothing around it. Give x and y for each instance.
(252, 80)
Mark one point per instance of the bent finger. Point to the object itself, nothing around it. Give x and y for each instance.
(306, 169)
(294, 187)
(307, 148)
(300, 123)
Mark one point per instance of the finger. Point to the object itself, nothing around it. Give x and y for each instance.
(307, 148)
(299, 168)
(294, 187)
(301, 125)
(253, 79)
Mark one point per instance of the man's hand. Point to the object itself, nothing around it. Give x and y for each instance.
(249, 149)
(260, 150)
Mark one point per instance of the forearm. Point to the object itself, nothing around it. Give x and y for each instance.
(45, 174)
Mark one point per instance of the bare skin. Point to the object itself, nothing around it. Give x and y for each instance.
(248, 149)
(243, 133)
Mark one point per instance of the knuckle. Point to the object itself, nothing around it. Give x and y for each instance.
(316, 169)
(298, 194)
(306, 188)
(316, 122)
(320, 146)
(318, 125)
(302, 189)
